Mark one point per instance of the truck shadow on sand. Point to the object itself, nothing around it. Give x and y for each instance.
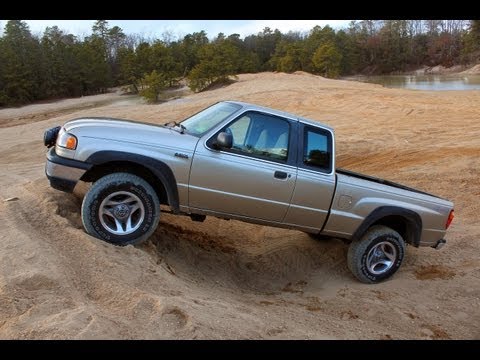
(280, 265)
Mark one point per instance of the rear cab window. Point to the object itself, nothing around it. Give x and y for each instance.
(316, 149)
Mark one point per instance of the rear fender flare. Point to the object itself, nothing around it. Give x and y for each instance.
(412, 219)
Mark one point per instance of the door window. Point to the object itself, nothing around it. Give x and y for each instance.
(260, 135)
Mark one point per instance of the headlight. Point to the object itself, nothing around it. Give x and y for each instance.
(66, 140)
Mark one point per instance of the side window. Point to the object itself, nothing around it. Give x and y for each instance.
(239, 131)
(260, 135)
(317, 149)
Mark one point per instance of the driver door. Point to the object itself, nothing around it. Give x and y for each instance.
(255, 178)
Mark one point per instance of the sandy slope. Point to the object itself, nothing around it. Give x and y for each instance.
(225, 279)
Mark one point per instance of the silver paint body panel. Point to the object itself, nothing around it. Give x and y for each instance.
(238, 186)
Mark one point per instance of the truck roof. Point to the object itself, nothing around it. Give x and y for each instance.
(280, 113)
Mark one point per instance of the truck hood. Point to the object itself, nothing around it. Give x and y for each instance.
(133, 132)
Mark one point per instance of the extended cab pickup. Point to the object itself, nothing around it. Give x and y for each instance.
(239, 161)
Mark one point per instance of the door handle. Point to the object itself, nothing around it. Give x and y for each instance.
(280, 175)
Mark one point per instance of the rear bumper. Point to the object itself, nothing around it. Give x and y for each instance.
(64, 173)
(439, 244)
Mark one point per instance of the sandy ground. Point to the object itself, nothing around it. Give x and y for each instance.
(229, 280)
(50, 109)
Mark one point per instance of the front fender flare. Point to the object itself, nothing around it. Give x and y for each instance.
(158, 168)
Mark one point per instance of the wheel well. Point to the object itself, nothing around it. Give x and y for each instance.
(98, 171)
(405, 221)
(399, 224)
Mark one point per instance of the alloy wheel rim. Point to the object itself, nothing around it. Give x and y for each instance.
(381, 258)
(121, 213)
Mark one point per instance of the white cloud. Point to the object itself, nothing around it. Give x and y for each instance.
(179, 28)
(76, 27)
(255, 26)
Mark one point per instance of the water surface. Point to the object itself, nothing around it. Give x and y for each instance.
(424, 82)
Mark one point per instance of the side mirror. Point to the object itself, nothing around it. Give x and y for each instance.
(224, 140)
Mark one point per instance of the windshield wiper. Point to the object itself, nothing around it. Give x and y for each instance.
(182, 127)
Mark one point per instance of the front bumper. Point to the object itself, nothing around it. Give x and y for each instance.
(64, 173)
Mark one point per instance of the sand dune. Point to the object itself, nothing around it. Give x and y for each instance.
(229, 280)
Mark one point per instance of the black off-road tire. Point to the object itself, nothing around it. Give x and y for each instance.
(137, 195)
(361, 254)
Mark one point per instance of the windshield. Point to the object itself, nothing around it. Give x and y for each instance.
(207, 119)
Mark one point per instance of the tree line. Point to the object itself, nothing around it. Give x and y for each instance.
(58, 64)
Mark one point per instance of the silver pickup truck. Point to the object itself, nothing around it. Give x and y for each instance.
(235, 160)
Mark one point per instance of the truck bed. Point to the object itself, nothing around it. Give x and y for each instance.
(382, 181)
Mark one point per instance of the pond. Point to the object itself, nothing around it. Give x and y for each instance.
(424, 82)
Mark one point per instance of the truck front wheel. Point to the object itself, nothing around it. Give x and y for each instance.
(121, 208)
(377, 255)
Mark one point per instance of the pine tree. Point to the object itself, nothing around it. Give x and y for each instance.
(155, 83)
(327, 60)
(20, 61)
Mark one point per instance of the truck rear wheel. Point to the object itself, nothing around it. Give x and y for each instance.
(121, 209)
(377, 255)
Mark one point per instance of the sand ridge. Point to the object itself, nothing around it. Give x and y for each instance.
(229, 280)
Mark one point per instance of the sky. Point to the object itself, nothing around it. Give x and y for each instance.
(180, 28)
